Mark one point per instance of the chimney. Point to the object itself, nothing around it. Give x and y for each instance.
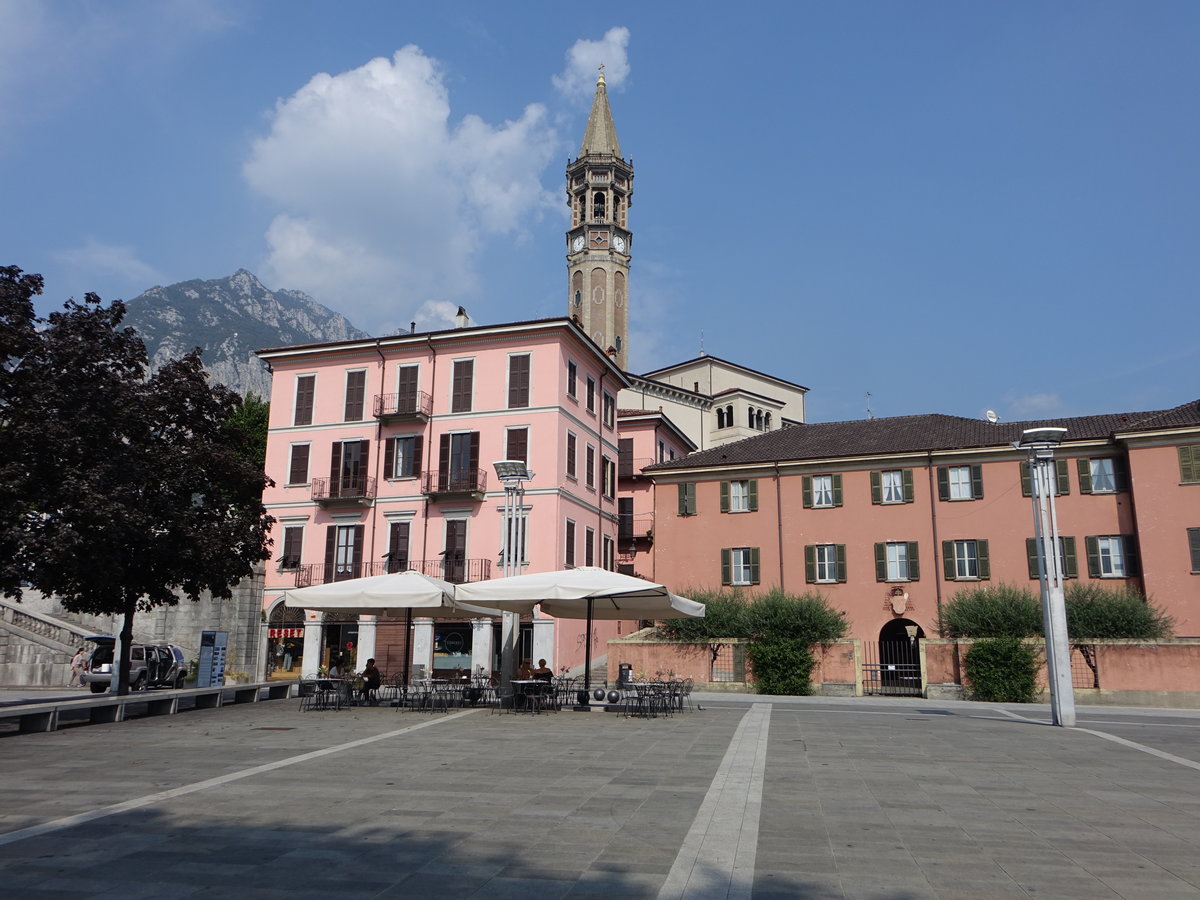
(461, 319)
(412, 327)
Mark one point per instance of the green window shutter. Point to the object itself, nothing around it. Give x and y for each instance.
(1064, 476)
(691, 498)
(876, 488)
(753, 493)
(837, 489)
(943, 483)
(985, 563)
(881, 562)
(976, 482)
(806, 490)
(1130, 549)
(810, 563)
(914, 562)
(840, 550)
(724, 496)
(754, 565)
(948, 559)
(726, 566)
(1189, 463)
(683, 509)
(1194, 547)
(1093, 555)
(1120, 474)
(1085, 475)
(906, 478)
(1031, 553)
(1026, 481)
(1070, 563)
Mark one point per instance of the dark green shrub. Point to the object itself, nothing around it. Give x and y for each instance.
(1001, 610)
(782, 665)
(1097, 612)
(724, 617)
(1002, 670)
(807, 618)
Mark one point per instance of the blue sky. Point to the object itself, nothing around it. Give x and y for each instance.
(952, 206)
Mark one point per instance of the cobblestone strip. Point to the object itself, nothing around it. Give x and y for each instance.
(716, 859)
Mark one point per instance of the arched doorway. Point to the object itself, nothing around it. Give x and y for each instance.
(892, 666)
(285, 641)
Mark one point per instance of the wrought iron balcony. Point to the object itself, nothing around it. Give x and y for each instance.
(632, 528)
(412, 406)
(631, 467)
(343, 490)
(451, 569)
(455, 484)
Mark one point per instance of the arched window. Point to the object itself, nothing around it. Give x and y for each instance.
(720, 417)
(750, 417)
(577, 286)
(767, 423)
(598, 206)
(758, 420)
(729, 416)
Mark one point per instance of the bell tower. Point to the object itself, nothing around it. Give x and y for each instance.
(600, 192)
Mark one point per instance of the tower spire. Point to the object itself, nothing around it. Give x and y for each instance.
(600, 136)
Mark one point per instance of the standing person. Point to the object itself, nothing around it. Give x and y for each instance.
(76, 668)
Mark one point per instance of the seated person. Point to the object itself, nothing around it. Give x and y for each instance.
(371, 680)
(542, 672)
(334, 670)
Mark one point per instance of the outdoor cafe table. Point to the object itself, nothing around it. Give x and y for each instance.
(525, 689)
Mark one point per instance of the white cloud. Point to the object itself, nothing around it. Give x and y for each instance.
(384, 201)
(584, 59)
(96, 258)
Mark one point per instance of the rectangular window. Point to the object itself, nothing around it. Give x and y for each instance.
(306, 388)
(739, 496)
(624, 518)
(293, 543)
(609, 470)
(463, 386)
(892, 486)
(960, 482)
(458, 461)
(966, 560)
(1189, 464)
(1193, 538)
(687, 498)
(589, 546)
(356, 393)
(1112, 556)
(1066, 551)
(1062, 479)
(348, 467)
(569, 550)
(402, 457)
(571, 455)
(397, 554)
(662, 451)
(518, 382)
(610, 409)
(572, 380)
(610, 554)
(343, 552)
(825, 563)
(516, 444)
(1105, 475)
(454, 556)
(739, 565)
(897, 561)
(591, 395)
(406, 389)
(298, 465)
(821, 491)
(589, 471)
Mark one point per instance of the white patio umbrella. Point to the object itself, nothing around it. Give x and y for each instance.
(584, 593)
(377, 594)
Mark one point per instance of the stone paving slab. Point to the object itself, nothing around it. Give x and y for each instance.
(858, 799)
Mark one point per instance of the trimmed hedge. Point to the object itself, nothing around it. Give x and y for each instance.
(1002, 670)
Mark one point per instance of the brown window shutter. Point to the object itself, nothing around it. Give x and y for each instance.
(299, 468)
(306, 386)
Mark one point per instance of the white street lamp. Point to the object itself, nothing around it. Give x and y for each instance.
(1040, 443)
(513, 473)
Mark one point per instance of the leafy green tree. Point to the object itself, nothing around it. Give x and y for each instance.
(1002, 610)
(1097, 612)
(128, 491)
(246, 428)
(1002, 670)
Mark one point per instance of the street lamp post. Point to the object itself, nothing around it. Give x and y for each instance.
(1040, 444)
(513, 473)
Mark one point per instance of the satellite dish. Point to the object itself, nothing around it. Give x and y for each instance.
(991, 416)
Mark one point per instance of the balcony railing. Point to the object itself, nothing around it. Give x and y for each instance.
(635, 528)
(455, 571)
(455, 484)
(344, 489)
(413, 405)
(631, 467)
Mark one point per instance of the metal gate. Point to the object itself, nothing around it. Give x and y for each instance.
(892, 668)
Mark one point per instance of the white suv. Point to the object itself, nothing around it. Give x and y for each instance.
(150, 665)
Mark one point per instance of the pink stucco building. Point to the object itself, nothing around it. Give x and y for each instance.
(381, 451)
(890, 517)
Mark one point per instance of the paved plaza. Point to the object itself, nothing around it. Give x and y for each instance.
(751, 797)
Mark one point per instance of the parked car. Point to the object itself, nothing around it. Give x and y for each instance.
(150, 665)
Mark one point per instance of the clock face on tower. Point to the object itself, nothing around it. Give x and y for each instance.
(619, 244)
(578, 243)
(600, 239)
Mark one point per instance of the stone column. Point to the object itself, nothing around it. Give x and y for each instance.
(543, 641)
(423, 644)
(366, 641)
(312, 645)
(482, 646)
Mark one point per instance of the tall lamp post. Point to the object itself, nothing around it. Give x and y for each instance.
(1040, 444)
(513, 473)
